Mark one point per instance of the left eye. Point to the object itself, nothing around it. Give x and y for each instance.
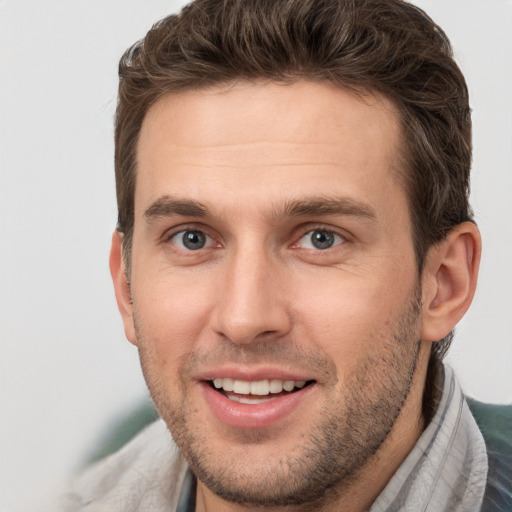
(191, 240)
(320, 239)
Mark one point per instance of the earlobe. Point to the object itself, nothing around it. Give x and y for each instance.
(449, 280)
(121, 286)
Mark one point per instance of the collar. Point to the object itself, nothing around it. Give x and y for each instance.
(447, 468)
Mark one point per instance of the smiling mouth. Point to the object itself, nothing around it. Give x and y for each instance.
(257, 392)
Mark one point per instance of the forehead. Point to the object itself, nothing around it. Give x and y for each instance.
(275, 140)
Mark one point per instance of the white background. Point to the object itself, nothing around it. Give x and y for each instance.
(65, 369)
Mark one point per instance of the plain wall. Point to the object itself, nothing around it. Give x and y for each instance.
(66, 370)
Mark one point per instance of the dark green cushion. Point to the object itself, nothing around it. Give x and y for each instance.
(495, 423)
(123, 430)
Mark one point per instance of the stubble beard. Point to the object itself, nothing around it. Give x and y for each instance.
(351, 430)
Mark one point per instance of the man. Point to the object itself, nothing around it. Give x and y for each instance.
(294, 249)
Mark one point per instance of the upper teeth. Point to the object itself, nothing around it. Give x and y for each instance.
(260, 387)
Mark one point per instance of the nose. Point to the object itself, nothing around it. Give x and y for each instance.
(251, 303)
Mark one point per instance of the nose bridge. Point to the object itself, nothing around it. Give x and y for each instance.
(250, 302)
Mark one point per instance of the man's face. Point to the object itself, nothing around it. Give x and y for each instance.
(272, 252)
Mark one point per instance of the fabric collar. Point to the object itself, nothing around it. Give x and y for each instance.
(446, 471)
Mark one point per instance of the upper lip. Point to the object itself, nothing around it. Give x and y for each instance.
(253, 374)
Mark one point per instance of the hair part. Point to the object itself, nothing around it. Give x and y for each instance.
(388, 47)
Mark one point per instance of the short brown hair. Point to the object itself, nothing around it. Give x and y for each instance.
(387, 46)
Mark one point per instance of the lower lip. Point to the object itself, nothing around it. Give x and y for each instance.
(262, 415)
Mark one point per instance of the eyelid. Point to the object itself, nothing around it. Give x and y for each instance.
(175, 240)
(305, 230)
(304, 242)
(170, 233)
(300, 232)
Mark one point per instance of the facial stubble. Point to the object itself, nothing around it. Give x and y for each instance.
(351, 429)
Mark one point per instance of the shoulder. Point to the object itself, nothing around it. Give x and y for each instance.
(495, 423)
(146, 474)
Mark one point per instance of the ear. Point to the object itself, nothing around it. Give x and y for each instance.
(449, 280)
(121, 286)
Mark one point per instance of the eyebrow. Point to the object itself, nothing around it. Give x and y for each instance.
(328, 205)
(167, 206)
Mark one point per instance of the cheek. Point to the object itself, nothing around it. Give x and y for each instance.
(171, 310)
(350, 316)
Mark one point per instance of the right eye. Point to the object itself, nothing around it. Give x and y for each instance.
(191, 240)
(320, 239)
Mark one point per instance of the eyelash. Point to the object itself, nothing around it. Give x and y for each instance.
(339, 238)
(168, 236)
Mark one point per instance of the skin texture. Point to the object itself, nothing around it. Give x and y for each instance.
(251, 168)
